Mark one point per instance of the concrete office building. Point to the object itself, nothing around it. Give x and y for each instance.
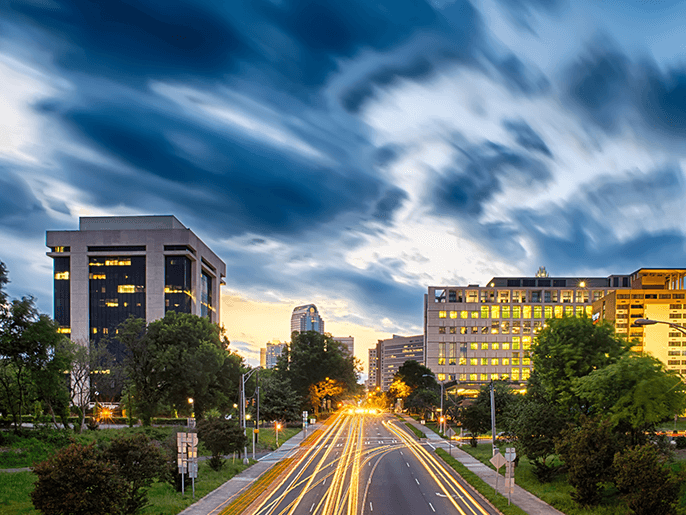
(348, 343)
(116, 266)
(373, 369)
(306, 318)
(475, 334)
(273, 352)
(393, 352)
(656, 294)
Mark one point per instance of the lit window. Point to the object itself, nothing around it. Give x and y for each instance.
(62, 276)
(515, 361)
(515, 374)
(526, 373)
(506, 312)
(558, 311)
(495, 361)
(495, 346)
(475, 346)
(441, 330)
(526, 361)
(463, 377)
(463, 314)
(494, 377)
(441, 353)
(505, 346)
(441, 377)
(495, 311)
(548, 312)
(538, 311)
(484, 377)
(118, 262)
(453, 314)
(484, 311)
(569, 311)
(64, 330)
(112, 303)
(463, 361)
(97, 277)
(527, 311)
(472, 377)
(589, 311)
(453, 330)
(442, 314)
(473, 361)
(126, 288)
(506, 361)
(95, 330)
(505, 327)
(515, 342)
(495, 326)
(474, 314)
(484, 361)
(526, 342)
(484, 345)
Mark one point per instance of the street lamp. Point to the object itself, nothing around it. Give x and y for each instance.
(244, 378)
(442, 418)
(192, 403)
(277, 426)
(647, 321)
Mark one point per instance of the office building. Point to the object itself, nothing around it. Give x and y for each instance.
(656, 294)
(117, 266)
(306, 318)
(348, 343)
(373, 369)
(475, 334)
(273, 352)
(263, 357)
(393, 352)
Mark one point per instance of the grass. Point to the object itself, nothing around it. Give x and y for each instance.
(557, 493)
(15, 489)
(267, 436)
(498, 500)
(416, 431)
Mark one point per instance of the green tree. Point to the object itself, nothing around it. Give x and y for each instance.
(29, 345)
(567, 349)
(78, 481)
(313, 357)
(645, 481)
(537, 424)
(141, 369)
(221, 437)
(416, 375)
(475, 419)
(278, 401)
(422, 401)
(588, 452)
(636, 391)
(139, 462)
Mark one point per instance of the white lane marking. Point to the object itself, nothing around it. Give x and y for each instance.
(441, 495)
(406, 463)
(432, 507)
(371, 508)
(312, 507)
(401, 452)
(324, 482)
(434, 448)
(417, 480)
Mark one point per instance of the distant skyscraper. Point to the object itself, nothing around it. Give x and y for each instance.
(373, 364)
(272, 353)
(306, 318)
(348, 342)
(392, 353)
(116, 266)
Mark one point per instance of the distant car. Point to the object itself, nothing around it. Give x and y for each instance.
(505, 436)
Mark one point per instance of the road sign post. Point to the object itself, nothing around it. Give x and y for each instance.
(498, 460)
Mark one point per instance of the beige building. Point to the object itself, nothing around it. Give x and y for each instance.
(475, 334)
(116, 266)
(393, 352)
(656, 294)
(348, 342)
(373, 369)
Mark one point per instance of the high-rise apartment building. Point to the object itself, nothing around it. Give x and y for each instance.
(393, 352)
(306, 318)
(657, 294)
(273, 352)
(348, 343)
(117, 266)
(475, 334)
(373, 369)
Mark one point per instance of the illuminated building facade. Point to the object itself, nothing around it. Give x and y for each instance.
(348, 343)
(475, 334)
(273, 353)
(373, 369)
(395, 351)
(306, 318)
(656, 294)
(118, 266)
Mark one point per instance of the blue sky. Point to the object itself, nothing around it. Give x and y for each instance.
(350, 153)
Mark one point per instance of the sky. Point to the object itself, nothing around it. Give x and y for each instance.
(349, 154)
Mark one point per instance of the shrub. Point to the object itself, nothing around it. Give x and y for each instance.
(77, 481)
(139, 461)
(680, 442)
(220, 437)
(647, 485)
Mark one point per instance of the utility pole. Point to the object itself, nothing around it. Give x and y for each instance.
(495, 448)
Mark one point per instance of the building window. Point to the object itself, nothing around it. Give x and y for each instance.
(475, 346)
(569, 311)
(441, 330)
(484, 345)
(527, 312)
(516, 326)
(495, 361)
(453, 330)
(473, 361)
(483, 377)
(495, 345)
(495, 312)
(441, 353)
(558, 311)
(566, 296)
(526, 342)
(516, 311)
(484, 361)
(472, 377)
(62, 289)
(453, 314)
(463, 361)
(474, 314)
(505, 327)
(506, 312)
(526, 373)
(515, 374)
(452, 356)
(442, 314)
(515, 342)
(494, 377)
(505, 345)
(506, 361)
(538, 311)
(484, 311)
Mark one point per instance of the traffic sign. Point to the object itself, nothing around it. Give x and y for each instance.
(450, 433)
(498, 461)
(510, 454)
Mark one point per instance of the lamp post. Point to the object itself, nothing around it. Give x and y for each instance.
(244, 378)
(191, 401)
(442, 417)
(277, 426)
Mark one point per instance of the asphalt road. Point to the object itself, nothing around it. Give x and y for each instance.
(368, 464)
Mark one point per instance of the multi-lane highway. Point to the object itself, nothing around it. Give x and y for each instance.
(367, 464)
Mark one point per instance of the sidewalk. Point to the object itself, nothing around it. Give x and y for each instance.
(525, 500)
(218, 499)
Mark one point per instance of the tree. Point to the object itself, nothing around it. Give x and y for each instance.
(323, 390)
(475, 419)
(588, 452)
(50, 381)
(415, 375)
(139, 461)
(567, 349)
(177, 357)
(636, 391)
(78, 481)
(311, 358)
(537, 424)
(221, 437)
(278, 401)
(646, 483)
(29, 344)
(422, 400)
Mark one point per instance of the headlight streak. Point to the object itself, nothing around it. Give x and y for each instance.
(431, 464)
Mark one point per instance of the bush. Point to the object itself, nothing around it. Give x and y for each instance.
(139, 461)
(680, 442)
(220, 437)
(77, 481)
(647, 485)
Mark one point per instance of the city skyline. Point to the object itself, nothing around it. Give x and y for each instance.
(349, 157)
